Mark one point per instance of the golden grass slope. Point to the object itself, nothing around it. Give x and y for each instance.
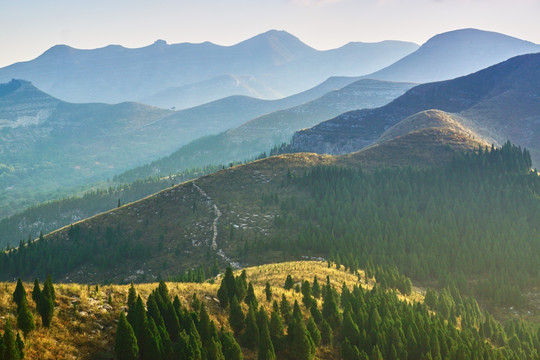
(85, 318)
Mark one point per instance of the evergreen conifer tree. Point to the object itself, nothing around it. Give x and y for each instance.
(268, 291)
(316, 288)
(11, 349)
(231, 349)
(19, 293)
(36, 292)
(289, 283)
(314, 331)
(250, 337)
(46, 306)
(126, 347)
(250, 296)
(266, 348)
(25, 319)
(236, 317)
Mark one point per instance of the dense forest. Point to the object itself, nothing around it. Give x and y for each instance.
(475, 221)
(351, 324)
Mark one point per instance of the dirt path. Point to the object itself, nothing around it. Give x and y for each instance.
(217, 213)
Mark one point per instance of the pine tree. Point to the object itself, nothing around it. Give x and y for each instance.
(25, 319)
(50, 288)
(326, 333)
(306, 292)
(316, 288)
(236, 317)
(151, 342)
(203, 327)
(132, 298)
(314, 331)
(285, 308)
(36, 292)
(231, 349)
(376, 354)
(19, 293)
(266, 348)
(250, 297)
(268, 291)
(11, 349)
(251, 334)
(172, 324)
(289, 283)
(330, 308)
(126, 347)
(276, 329)
(300, 343)
(46, 306)
(20, 345)
(214, 350)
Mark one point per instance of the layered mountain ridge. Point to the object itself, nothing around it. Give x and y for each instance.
(114, 74)
(500, 103)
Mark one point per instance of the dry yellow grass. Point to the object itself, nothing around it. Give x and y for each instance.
(85, 318)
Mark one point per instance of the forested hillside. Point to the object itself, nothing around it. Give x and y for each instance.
(296, 310)
(474, 221)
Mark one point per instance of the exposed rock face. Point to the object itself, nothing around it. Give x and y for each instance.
(499, 103)
(21, 104)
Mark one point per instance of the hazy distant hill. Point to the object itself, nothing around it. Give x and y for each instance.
(261, 133)
(113, 74)
(455, 53)
(186, 96)
(48, 144)
(499, 103)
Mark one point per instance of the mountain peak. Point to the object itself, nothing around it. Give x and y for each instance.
(470, 35)
(14, 85)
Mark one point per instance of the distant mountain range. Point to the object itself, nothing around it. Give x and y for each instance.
(270, 65)
(261, 133)
(47, 144)
(455, 53)
(498, 103)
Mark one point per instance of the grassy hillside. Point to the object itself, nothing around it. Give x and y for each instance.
(347, 316)
(85, 319)
(260, 133)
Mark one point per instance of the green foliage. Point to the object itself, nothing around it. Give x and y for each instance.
(25, 319)
(250, 338)
(236, 317)
(36, 292)
(314, 331)
(231, 349)
(11, 349)
(316, 288)
(126, 347)
(268, 291)
(19, 293)
(289, 283)
(266, 348)
(45, 304)
(251, 299)
(413, 220)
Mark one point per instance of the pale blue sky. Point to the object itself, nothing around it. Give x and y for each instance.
(29, 27)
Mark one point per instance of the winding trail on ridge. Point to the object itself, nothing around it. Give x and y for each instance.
(217, 213)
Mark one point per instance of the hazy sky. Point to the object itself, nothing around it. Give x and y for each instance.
(29, 27)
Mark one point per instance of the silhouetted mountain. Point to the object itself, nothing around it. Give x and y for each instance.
(455, 53)
(113, 74)
(498, 103)
(261, 133)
